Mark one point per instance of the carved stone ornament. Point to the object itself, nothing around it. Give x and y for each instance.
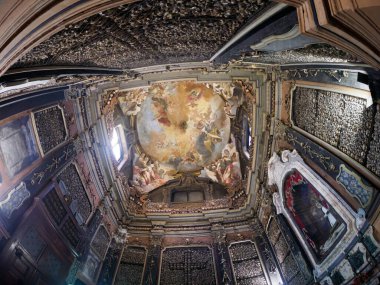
(121, 235)
(279, 170)
(14, 200)
(343, 271)
(327, 281)
(277, 203)
(360, 218)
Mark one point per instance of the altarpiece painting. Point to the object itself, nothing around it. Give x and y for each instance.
(319, 223)
(324, 223)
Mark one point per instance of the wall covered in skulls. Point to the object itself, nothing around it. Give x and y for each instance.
(182, 142)
(50, 205)
(321, 186)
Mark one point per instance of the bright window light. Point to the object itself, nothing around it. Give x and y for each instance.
(23, 85)
(115, 144)
(246, 136)
(249, 134)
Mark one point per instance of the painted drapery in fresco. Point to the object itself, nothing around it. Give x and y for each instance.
(318, 222)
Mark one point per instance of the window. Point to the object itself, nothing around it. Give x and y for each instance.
(247, 136)
(116, 144)
(119, 145)
(187, 196)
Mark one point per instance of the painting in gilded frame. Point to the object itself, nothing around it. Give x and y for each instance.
(316, 219)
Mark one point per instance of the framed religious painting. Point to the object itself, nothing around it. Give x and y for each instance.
(320, 224)
(324, 223)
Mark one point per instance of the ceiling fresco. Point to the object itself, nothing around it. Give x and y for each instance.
(183, 125)
(183, 128)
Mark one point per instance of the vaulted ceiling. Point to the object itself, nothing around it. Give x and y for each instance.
(182, 135)
(147, 33)
(159, 119)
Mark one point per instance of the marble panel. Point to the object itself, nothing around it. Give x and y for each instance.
(17, 145)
